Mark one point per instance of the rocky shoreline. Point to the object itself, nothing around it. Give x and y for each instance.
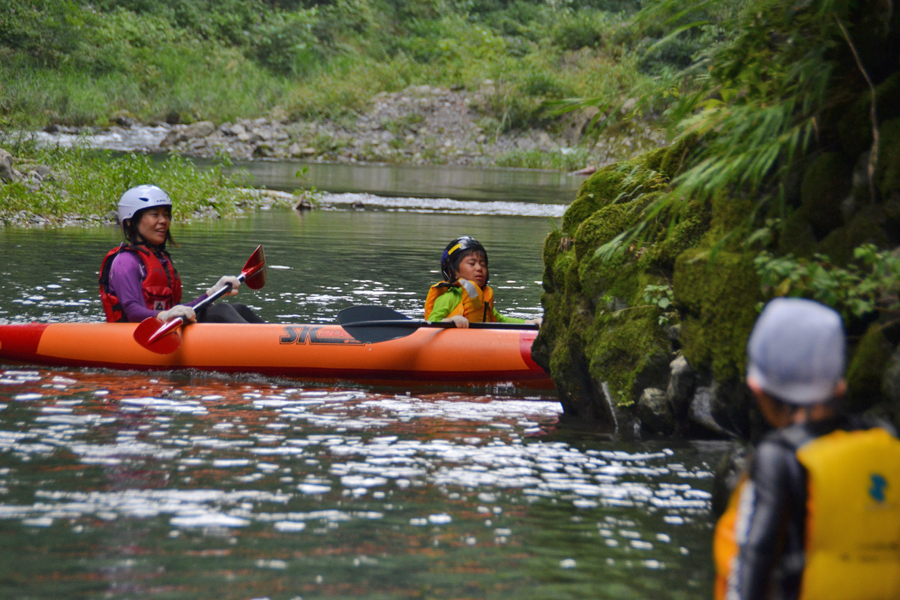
(420, 125)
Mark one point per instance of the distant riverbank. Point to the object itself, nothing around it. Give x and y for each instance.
(421, 125)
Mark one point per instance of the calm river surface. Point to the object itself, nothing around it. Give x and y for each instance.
(134, 485)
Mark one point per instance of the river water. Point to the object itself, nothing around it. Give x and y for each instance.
(136, 485)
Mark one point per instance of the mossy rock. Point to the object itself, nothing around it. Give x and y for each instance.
(613, 184)
(855, 128)
(676, 155)
(598, 190)
(628, 346)
(552, 246)
(653, 159)
(555, 245)
(718, 292)
(863, 228)
(826, 183)
(731, 221)
(602, 226)
(685, 234)
(550, 329)
(866, 369)
(554, 278)
(571, 282)
(607, 279)
(887, 175)
(564, 350)
(797, 235)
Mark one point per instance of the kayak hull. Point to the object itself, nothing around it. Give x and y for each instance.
(308, 352)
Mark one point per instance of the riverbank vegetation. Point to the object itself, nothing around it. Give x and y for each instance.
(82, 62)
(81, 186)
(782, 180)
(106, 62)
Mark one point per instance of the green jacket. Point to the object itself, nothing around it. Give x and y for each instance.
(449, 300)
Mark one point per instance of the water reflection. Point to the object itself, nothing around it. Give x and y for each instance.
(319, 263)
(420, 181)
(124, 485)
(332, 492)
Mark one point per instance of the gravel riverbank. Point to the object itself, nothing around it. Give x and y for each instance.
(420, 125)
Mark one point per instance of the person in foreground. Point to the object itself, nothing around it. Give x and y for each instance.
(138, 279)
(464, 295)
(818, 514)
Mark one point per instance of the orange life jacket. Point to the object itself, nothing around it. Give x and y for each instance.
(477, 305)
(161, 284)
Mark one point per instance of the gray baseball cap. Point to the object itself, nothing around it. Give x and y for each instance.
(796, 351)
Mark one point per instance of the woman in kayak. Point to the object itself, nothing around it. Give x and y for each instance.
(464, 295)
(138, 279)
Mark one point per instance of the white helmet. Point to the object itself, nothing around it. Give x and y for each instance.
(139, 198)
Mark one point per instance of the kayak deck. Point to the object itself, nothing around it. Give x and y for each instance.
(309, 352)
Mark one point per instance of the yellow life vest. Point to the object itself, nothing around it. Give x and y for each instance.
(477, 305)
(853, 516)
(852, 546)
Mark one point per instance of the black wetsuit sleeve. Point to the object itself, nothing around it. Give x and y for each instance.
(761, 521)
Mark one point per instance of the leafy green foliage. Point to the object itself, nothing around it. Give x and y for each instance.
(663, 297)
(79, 61)
(854, 290)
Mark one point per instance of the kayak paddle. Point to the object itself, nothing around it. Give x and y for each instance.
(164, 337)
(372, 324)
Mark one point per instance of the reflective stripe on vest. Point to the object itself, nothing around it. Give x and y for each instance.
(477, 305)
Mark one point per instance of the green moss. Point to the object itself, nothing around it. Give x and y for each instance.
(553, 245)
(888, 173)
(855, 128)
(653, 159)
(602, 227)
(571, 282)
(797, 235)
(864, 373)
(624, 345)
(863, 228)
(826, 183)
(731, 221)
(676, 155)
(617, 183)
(683, 235)
(718, 291)
(599, 190)
(606, 278)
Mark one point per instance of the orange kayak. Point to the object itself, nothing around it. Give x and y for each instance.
(309, 352)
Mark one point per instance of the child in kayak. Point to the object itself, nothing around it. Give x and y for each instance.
(819, 510)
(464, 295)
(138, 279)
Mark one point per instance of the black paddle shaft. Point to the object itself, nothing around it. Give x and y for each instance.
(372, 324)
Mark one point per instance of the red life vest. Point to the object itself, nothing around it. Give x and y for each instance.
(161, 284)
(477, 305)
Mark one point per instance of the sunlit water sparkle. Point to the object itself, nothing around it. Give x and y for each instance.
(271, 475)
(126, 485)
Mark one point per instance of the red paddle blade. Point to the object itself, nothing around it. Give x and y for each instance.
(254, 270)
(158, 336)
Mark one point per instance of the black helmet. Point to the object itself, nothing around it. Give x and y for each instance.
(455, 251)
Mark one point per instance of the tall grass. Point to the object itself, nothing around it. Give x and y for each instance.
(86, 182)
(196, 59)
